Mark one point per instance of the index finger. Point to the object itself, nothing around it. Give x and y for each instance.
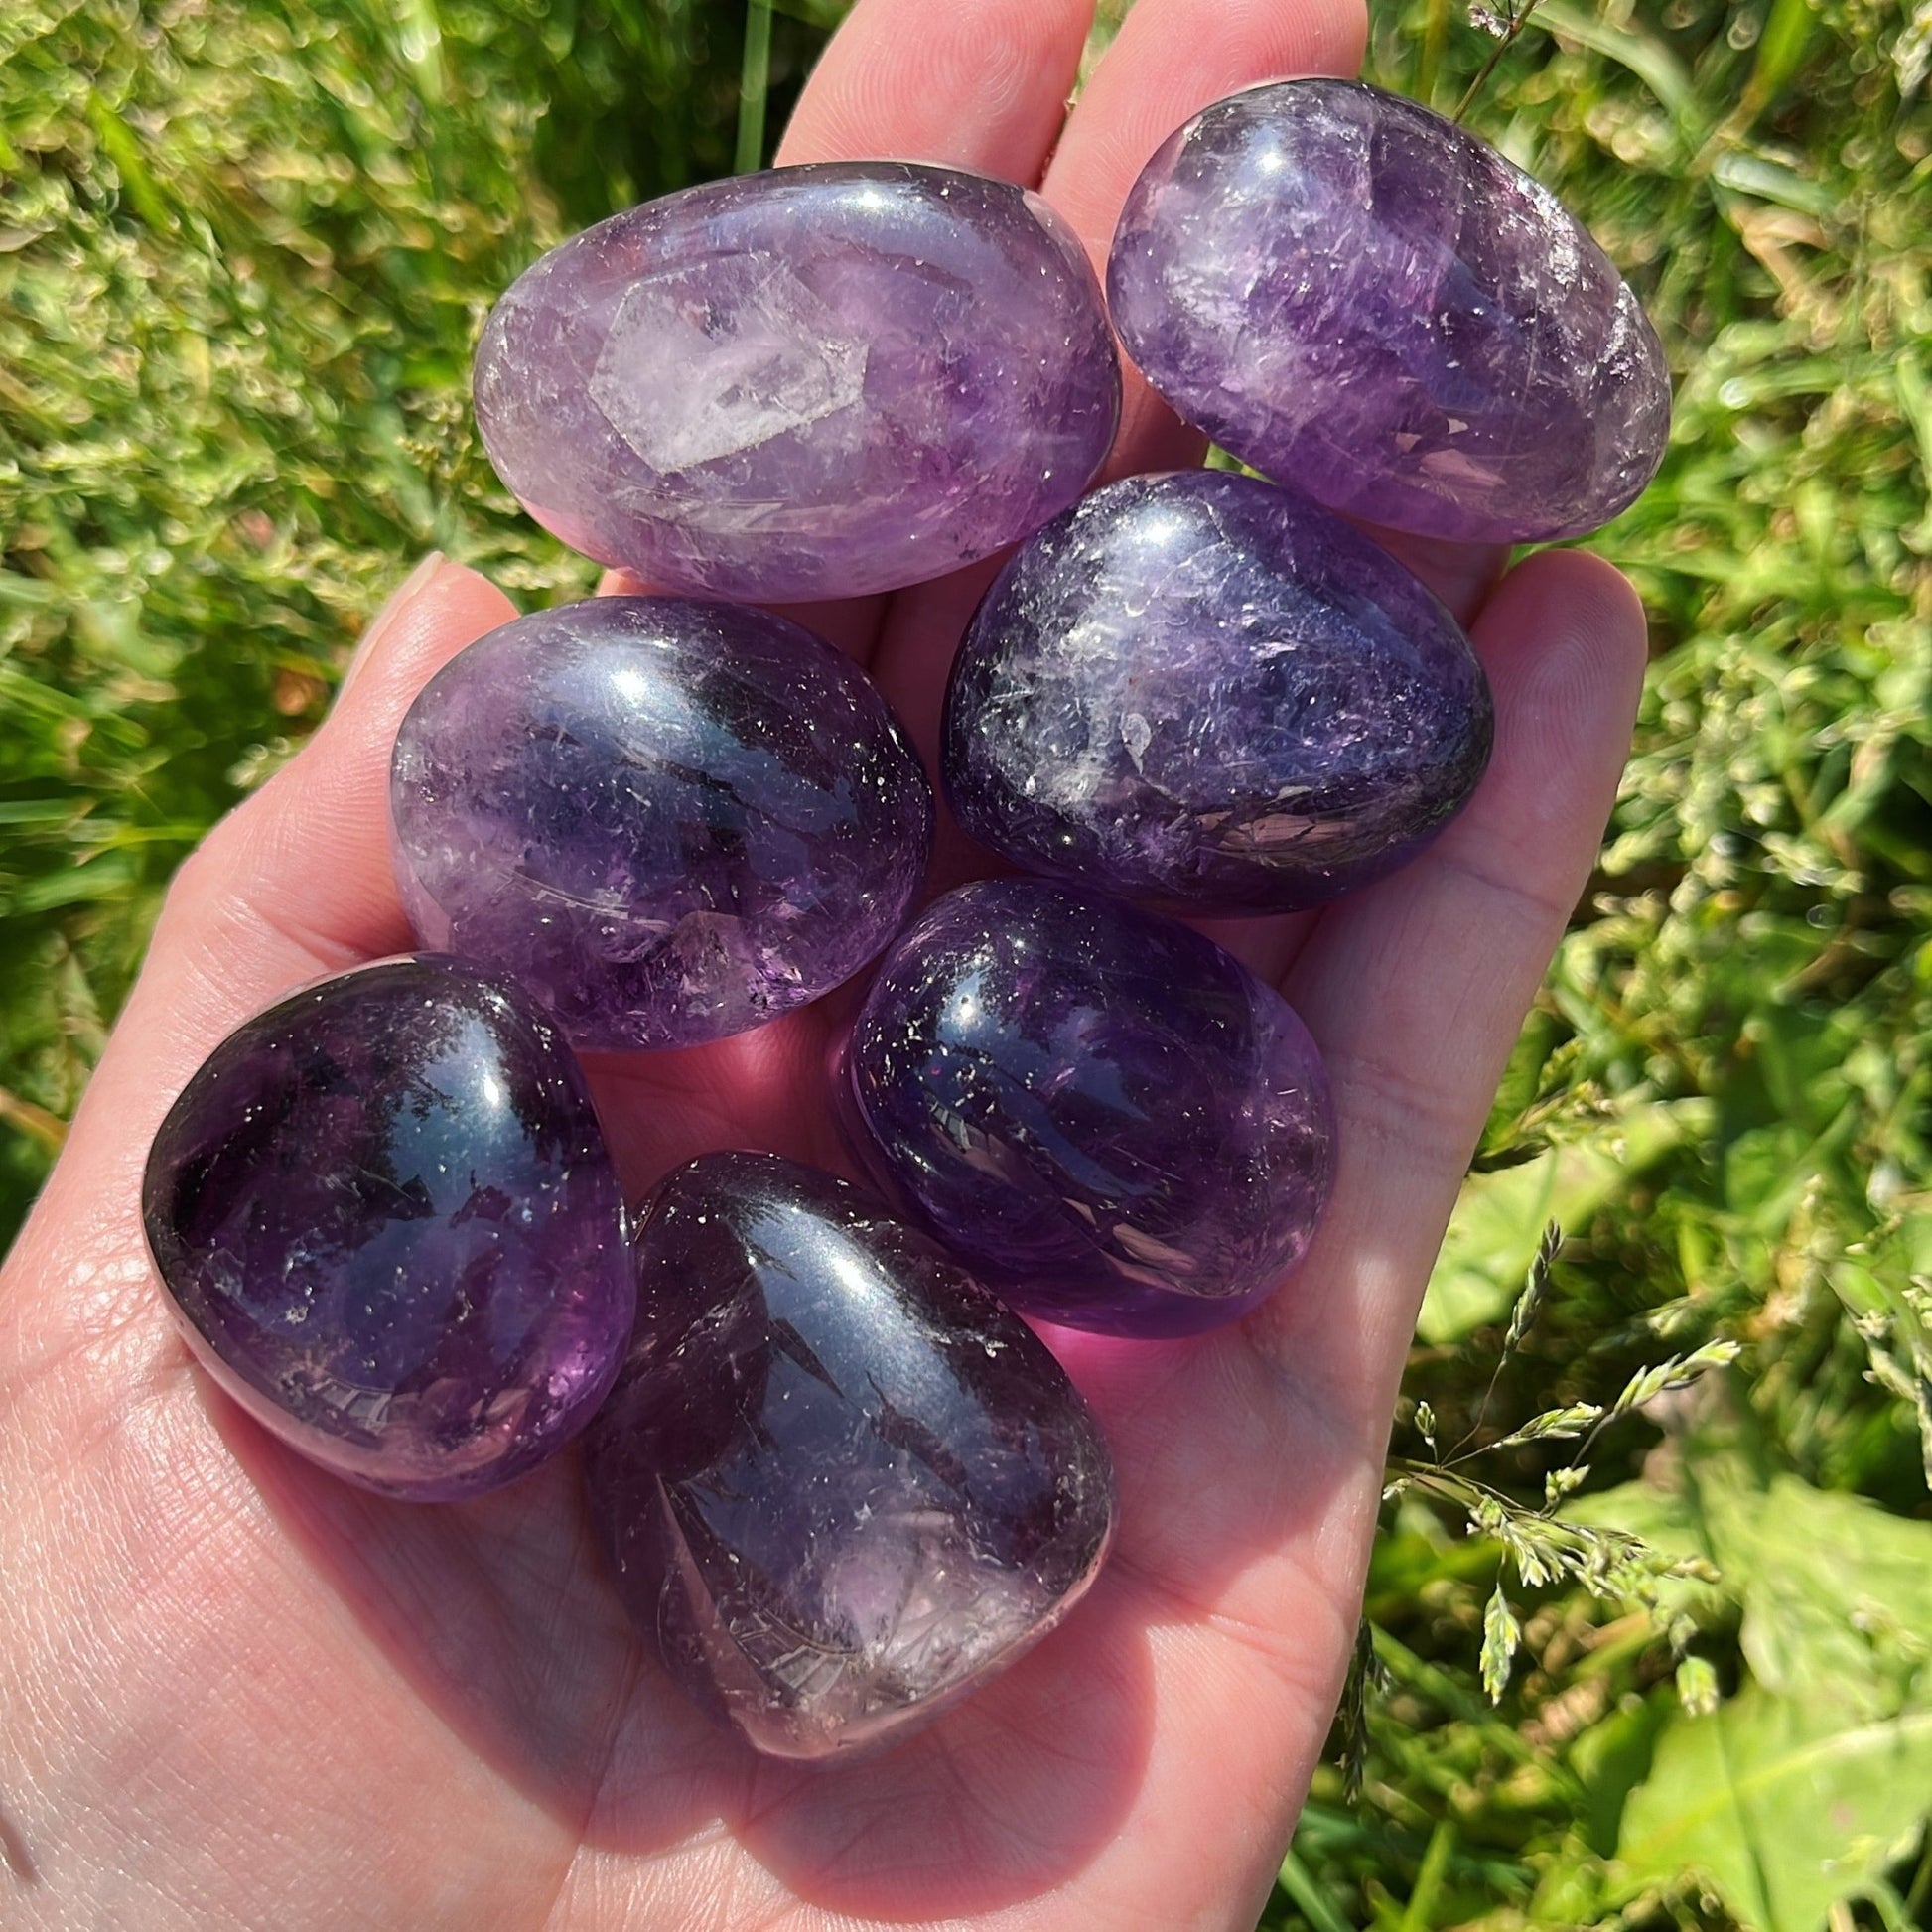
(1171, 58)
(974, 83)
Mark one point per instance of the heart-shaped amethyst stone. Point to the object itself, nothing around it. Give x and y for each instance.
(1105, 1116)
(1366, 301)
(840, 1484)
(1214, 696)
(385, 1216)
(806, 384)
(672, 821)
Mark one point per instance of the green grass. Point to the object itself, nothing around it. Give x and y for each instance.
(244, 249)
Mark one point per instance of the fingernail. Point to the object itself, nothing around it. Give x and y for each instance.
(378, 625)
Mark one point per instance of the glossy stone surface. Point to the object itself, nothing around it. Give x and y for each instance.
(840, 1484)
(385, 1216)
(1211, 695)
(804, 384)
(1108, 1118)
(1363, 300)
(672, 821)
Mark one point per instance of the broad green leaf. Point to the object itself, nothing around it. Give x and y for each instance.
(1783, 1805)
(1837, 1592)
(1500, 1217)
(1664, 1519)
(1612, 1757)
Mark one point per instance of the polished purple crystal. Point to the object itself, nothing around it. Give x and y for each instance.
(1366, 301)
(672, 821)
(1211, 695)
(806, 384)
(840, 1484)
(1108, 1118)
(390, 1230)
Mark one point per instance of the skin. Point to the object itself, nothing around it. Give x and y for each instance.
(233, 1691)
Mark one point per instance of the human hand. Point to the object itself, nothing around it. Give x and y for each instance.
(233, 1691)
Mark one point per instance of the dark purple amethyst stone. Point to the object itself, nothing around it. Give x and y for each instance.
(840, 1484)
(1361, 299)
(1105, 1116)
(807, 383)
(1213, 696)
(672, 821)
(390, 1230)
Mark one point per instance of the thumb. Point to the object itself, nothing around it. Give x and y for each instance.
(297, 880)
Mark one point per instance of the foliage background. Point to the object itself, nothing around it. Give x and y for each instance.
(245, 246)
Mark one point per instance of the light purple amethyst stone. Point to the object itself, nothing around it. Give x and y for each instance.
(812, 382)
(1363, 300)
(671, 820)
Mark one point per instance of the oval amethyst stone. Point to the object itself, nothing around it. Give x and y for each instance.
(390, 1228)
(1366, 301)
(806, 384)
(840, 1484)
(1211, 695)
(671, 820)
(1109, 1118)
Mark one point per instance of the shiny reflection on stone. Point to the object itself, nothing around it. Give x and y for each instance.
(810, 382)
(390, 1228)
(672, 821)
(1367, 301)
(1213, 696)
(840, 1484)
(1108, 1118)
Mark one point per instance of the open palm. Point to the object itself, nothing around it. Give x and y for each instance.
(235, 1691)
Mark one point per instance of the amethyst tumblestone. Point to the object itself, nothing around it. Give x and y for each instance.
(1214, 696)
(1361, 299)
(806, 384)
(838, 1483)
(1110, 1120)
(672, 821)
(391, 1232)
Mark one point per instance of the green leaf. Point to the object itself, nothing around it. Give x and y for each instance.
(1752, 174)
(1314, 1903)
(1612, 1757)
(1420, 1912)
(1500, 1219)
(1645, 55)
(1837, 1592)
(754, 86)
(1783, 1805)
(1780, 48)
(1665, 1520)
